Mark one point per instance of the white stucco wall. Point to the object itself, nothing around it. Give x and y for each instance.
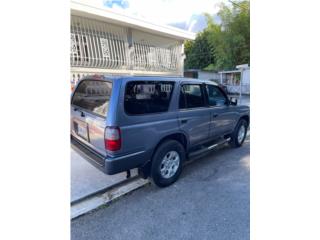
(204, 75)
(246, 77)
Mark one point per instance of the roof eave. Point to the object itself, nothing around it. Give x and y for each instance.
(80, 8)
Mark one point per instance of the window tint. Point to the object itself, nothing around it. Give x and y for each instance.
(191, 96)
(93, 96)
(142, 97)
(215, 96)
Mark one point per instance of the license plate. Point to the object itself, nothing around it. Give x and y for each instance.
(81, 128)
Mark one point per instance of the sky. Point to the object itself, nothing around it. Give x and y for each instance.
(179, 13)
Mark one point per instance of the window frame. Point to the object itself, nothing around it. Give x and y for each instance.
(146, 82)
(223, 93)
(203, 93)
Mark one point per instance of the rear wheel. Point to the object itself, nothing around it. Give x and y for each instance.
(167, 163)
(239, 134)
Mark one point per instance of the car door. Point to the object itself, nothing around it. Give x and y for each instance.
(222, 115)
(194, 117)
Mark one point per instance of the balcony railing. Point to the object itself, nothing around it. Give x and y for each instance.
(99, 45)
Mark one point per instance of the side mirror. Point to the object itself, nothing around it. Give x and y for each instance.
(233, 101)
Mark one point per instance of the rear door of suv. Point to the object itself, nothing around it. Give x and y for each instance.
(145, 113)
(194, 115)
(89, 107)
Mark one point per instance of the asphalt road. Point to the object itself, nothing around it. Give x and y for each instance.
(211, 200)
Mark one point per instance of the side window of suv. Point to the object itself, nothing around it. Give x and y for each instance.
(191, 96)
(144, 97)
(215, 96)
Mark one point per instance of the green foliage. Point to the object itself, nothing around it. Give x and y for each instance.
(225, 45)
(210, 67)
(199, 52)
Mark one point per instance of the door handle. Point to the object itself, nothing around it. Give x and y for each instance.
(184, 121)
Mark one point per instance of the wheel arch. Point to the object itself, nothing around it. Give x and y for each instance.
(178, 136)
(246, 118)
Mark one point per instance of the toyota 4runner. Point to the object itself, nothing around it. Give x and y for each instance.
(154, 124)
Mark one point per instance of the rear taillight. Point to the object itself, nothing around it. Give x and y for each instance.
(112, 139)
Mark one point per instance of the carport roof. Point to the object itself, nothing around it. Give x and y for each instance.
(94, 9)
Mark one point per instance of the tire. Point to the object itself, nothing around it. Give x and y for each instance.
(167, 163)
(235, 141)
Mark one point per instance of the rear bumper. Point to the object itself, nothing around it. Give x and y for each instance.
(109, 165)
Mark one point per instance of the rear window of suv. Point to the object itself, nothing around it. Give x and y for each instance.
(93, 96)
(144, 97)
(191, 96)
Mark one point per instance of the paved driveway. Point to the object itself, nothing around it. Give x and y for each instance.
(211, 200)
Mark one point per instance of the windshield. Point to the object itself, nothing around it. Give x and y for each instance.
(93, 96)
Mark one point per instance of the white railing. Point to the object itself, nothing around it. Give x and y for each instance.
(95, 44)
(99, 45)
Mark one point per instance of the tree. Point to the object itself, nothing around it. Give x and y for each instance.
(227, 43)
(199, 53)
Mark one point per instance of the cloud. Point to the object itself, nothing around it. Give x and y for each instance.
(123, 4)
(164, 11)
(196, 23)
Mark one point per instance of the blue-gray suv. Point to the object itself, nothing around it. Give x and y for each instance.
(152, 123)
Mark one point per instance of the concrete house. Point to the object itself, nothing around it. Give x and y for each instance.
(106, 42)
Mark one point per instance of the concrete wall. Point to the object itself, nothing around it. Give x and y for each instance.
(204, 75)
(246, 77)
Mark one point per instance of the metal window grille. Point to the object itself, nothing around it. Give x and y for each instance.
(95, 44)
(99, 45)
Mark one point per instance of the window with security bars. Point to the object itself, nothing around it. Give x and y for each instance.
(151, 57)
(96, 44)
(104, 50)
(79, 48)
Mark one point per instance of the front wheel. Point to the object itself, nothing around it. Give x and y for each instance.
(167, 163)
(239, 134)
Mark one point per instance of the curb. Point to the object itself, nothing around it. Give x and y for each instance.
(92, 202)
(103, 190)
